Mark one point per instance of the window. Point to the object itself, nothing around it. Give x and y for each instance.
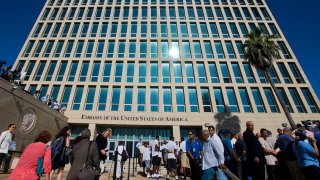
(274, 29)
(90, 98)
(258, 100)
(209, 13)
(164, 31)
(133, 30)
(45, 14)
(135, 12)
(180, 100)
(80, 13)
(130, 71)
(219, 49)
(99, 50)
(95, 71)
(284, 73)
(128, 99)
(297, 100)
(249, 74)
(182, 15)
(239, 48)
(114, 28)
(154, 49)
(244, 29)
(225, 73)
(172, 13)
(184, 30)
(219, 99)
(84, 29)
(193, 100)
(228, 13)
(98, 13)
(165, 72)
(296, 73)
(284, 50)
(39, 73)
(20, 65)
(143, 49)
(186, 49)
(233, 104)
(132, 49)
(219, 13)
(115, 99)
(154, 28)
(144, 13)
(73, 70)
(271, 100)
(263, 28)
(48, 49)
(164, 49)
(118, 72)
(153, 13)
(72, 13)
(246, 13)
(62, 70)
(89, 49)
(107, 13)
(230, 50)
(106, 71)
(110, 49)
(75, 30)
(29, 69)
(273, 75)
(191, 13)
(206, 100)
(142, 72)
(84, 71)
(237, 13)
(200, 13)
(174, 31)
(234, 30)
(197, 49)
(66, 96)
(189, 72)
(55, 92)
(77, 98)
(213, 73)
(58, 48)
(245, 100)
(94, 30)
(125, 15)
(47, 30)
(201, 73)
(79, 49)
(261, 76)
(121, 49)
(204, 30)
(194, 30)
(167, 100)
(144, 30)
(174, 50)
(256, 13)
(141, 100)
(214, 30)
(116, 13)
(38, 30)
(51, 70)
(177, 72)
(310, 100)
(104, 30)
(154, 72)
(285, 99)
(38, 49)
(237, 72)
(154, 99)
(89, 14)
(124, 29)
(43, 91)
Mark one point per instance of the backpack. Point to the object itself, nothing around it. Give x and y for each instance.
(57, 148)
(124, 155)
(40, 168)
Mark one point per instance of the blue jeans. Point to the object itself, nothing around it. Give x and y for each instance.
(214, 171)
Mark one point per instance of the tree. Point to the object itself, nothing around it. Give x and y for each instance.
(260, 50)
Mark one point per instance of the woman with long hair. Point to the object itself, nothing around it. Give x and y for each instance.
(81, 147)
(26, 167)
(60, 158)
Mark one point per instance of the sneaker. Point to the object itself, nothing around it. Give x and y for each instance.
(157, 176)
(177, 177)
(148, 176)
(153, 175)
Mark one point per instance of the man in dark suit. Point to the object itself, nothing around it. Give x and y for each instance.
(255, 153)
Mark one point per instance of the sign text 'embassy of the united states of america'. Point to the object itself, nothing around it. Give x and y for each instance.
(132, 118)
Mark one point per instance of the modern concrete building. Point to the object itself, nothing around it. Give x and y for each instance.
(160, 67)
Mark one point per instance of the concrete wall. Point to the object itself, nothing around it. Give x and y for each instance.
(29, 114)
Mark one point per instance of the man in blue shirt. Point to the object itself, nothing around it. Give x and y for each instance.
(194, 148)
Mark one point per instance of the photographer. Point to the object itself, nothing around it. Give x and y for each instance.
(307, 154)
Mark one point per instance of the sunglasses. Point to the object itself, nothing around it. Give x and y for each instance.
(190, 134)
(14, 127)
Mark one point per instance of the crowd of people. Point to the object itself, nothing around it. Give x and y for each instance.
(54, 104)
(292, 154)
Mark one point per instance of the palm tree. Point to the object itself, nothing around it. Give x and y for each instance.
(260, 50)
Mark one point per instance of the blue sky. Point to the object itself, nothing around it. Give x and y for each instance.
(298, 20)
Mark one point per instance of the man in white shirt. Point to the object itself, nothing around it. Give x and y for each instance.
(5, 140)
(184, 158)
(234, 140)
(172, 157)
(146, 158)
(156, 159)
(119, 162)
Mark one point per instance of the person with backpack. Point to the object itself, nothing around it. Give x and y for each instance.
(26, 168)
(121, 156)
(102, 143)
(60, 151)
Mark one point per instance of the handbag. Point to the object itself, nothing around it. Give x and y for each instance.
(40, 168)
(88, 172)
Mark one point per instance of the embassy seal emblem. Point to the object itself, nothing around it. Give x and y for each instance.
(27, 121)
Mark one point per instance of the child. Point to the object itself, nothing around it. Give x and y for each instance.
(146, 158)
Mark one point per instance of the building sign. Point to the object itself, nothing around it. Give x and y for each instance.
(133, 118)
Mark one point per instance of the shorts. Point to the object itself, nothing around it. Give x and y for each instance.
(185, 161)
(147, 164)
(156, 160)
(171, 164)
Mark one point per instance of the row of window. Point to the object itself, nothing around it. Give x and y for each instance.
(154, 12)
(165, 72)
(148, 99)
(151, 29)
(142, 49)
(119, 2)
